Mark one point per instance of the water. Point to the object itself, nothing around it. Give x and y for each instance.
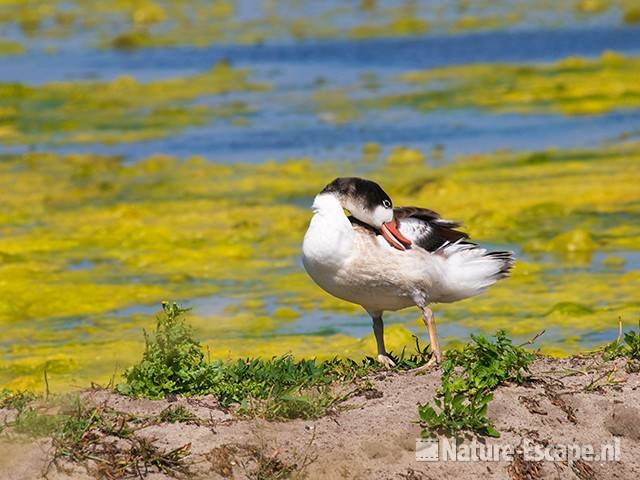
(286, 124)
(328, 58)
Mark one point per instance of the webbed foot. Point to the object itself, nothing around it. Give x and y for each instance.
(386, 361)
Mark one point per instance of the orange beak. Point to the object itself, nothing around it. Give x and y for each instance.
(393, 236)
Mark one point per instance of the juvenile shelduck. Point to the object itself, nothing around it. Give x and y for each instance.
(386, 258)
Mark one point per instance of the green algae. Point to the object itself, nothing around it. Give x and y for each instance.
(130, 24)
(120, 110)
(614, 262)
(570, 309)
(85, 240)
(399, 27)
(334, 106)
(632, 16)
(573, 86)
(592, 6)
(10, 47)
(487, 22)
(400, 156)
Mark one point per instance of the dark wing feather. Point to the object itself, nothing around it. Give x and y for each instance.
(426, 228)
(364, 227)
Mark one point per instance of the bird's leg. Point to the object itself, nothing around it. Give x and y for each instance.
(378, 330)
(430, 322)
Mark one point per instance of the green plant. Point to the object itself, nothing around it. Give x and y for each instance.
(632, 341)
(469, 377)
(627, 345)
(305, 403)
(173, 361)
(176, 414)
(31, 421)
(85, 431)
(79, 418)
(16, 400)
(280, 387)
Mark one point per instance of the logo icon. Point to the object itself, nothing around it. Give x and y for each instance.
(426, 449)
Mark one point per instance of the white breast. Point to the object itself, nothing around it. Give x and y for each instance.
(356, 266)
(328, 243)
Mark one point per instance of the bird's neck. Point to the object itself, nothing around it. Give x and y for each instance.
(329, 239)
(327, 204)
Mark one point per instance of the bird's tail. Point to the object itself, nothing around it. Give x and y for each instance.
(472, 269)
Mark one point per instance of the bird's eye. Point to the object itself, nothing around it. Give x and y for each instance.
(386, 204)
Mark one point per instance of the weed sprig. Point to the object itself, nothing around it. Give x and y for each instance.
(281, 387)
(625, 346)
(469, 377)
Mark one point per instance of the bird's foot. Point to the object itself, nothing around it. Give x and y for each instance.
(434, 361)
(386, 361)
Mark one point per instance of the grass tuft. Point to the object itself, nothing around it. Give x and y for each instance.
(177, 414)
(277, 388)
(625, 346)
(469, 377)
(35, 423)
(104, 440)
(15, 400)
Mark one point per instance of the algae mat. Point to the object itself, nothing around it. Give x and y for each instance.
(132, 24)
(90, 245)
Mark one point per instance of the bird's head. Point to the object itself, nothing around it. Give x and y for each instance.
(370, 204)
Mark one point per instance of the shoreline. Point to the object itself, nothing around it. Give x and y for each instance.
(581, 400)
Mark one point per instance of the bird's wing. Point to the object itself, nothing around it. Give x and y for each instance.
(426, 228)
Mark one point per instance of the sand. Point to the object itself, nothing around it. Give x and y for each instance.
(373, 435)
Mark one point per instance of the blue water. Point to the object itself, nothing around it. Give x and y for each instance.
(339, 57)
(285, 123)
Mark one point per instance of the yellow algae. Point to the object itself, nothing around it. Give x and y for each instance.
(155, 233)
(131, 40)
(570, 347)
(570, 309)
(488, 22)
(89, 243)
(613, 261)
(120, 110)
(578, 240)
(371, 152)
(610, 57)
(401, 26)
(632, 16)
(573, 86)
(592, 6)
(152, 23)
(69, 366)
(405, 156)
(285, 313)
(244, 324)
(221, 8)
(334, 106)
(148, 13)
(519, 197)
(10, 47)
(596, 302)
(296, 290)
(408, 25)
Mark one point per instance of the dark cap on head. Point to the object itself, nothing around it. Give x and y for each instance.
(369, 193)
(370, 204)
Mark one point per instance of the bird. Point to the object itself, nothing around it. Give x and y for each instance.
(360, 248)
